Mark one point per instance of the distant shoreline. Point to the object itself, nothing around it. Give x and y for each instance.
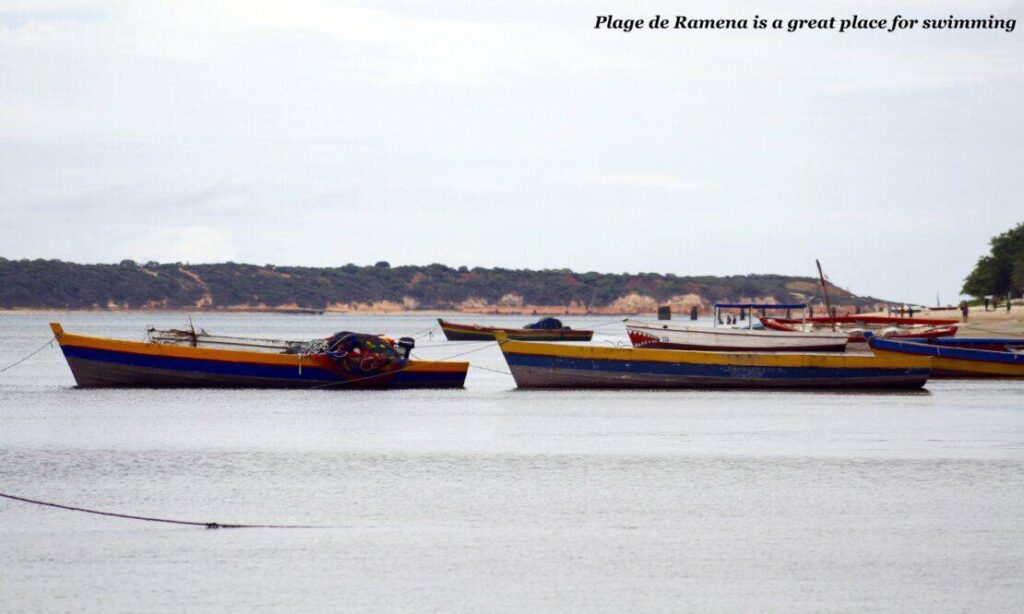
(352, 312)
(389, 309)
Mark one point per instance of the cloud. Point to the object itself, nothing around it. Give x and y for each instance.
(265, 130)
(661, 181)
(176, 244)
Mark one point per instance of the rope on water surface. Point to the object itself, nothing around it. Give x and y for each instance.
(490, 369)
(207, 525)
(48, 343)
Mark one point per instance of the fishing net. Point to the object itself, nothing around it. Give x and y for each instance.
(359, 355)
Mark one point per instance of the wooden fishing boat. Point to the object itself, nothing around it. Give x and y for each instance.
(871, 320)
(197, 360)
(856, 335)
(548, 365)
(960, 359)
(665, 336)
(475, 332)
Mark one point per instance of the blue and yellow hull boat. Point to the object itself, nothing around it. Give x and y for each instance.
(98, 362)
(960, 358)
(546, 365)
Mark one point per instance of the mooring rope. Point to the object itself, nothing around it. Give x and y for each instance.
(424, 331)
(34, 352)
(490, 369)
(207, 525)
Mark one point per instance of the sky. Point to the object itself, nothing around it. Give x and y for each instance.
(511, 134)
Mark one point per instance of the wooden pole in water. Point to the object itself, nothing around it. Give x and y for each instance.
(824, 289)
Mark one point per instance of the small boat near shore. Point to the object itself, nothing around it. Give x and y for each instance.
(547, 329)
(549, 365)
(870, 320)
(857, 332)
(960, 358)
(665, 336)
(191, 359)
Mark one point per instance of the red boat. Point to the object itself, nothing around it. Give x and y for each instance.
(880, 327)
(865, 320)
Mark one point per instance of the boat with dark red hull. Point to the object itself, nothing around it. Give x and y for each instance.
(857, 329)
(547, 329)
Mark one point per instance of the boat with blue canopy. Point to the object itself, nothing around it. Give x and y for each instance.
(746, 339)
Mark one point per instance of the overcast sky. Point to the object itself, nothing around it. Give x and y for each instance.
(510, 134)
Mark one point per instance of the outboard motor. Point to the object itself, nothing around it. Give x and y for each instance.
(407, 344)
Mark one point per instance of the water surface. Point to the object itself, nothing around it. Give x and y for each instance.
(492, 498)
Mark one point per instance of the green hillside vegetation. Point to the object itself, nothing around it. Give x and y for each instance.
(64, 285)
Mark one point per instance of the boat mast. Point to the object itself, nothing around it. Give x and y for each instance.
(824, 289)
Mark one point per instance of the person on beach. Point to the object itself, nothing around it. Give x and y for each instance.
(986, 303)
(964, 309)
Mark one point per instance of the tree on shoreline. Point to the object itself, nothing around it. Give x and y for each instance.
(1000, 273)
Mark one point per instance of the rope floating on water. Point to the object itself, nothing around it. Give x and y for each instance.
(207, 525)
(490, 369)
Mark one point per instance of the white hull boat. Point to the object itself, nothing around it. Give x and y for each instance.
(665, 336)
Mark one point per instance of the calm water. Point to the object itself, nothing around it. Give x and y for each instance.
(494, 499)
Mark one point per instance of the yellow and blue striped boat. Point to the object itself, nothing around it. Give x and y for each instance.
(97, 362)
(548, 365)
(960, 357)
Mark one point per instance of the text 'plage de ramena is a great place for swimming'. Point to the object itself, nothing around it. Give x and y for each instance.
(897, 23)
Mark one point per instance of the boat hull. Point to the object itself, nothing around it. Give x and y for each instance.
(950, 361)
(472, 332)
(108, 363)
(540, 365)
(643, 335)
